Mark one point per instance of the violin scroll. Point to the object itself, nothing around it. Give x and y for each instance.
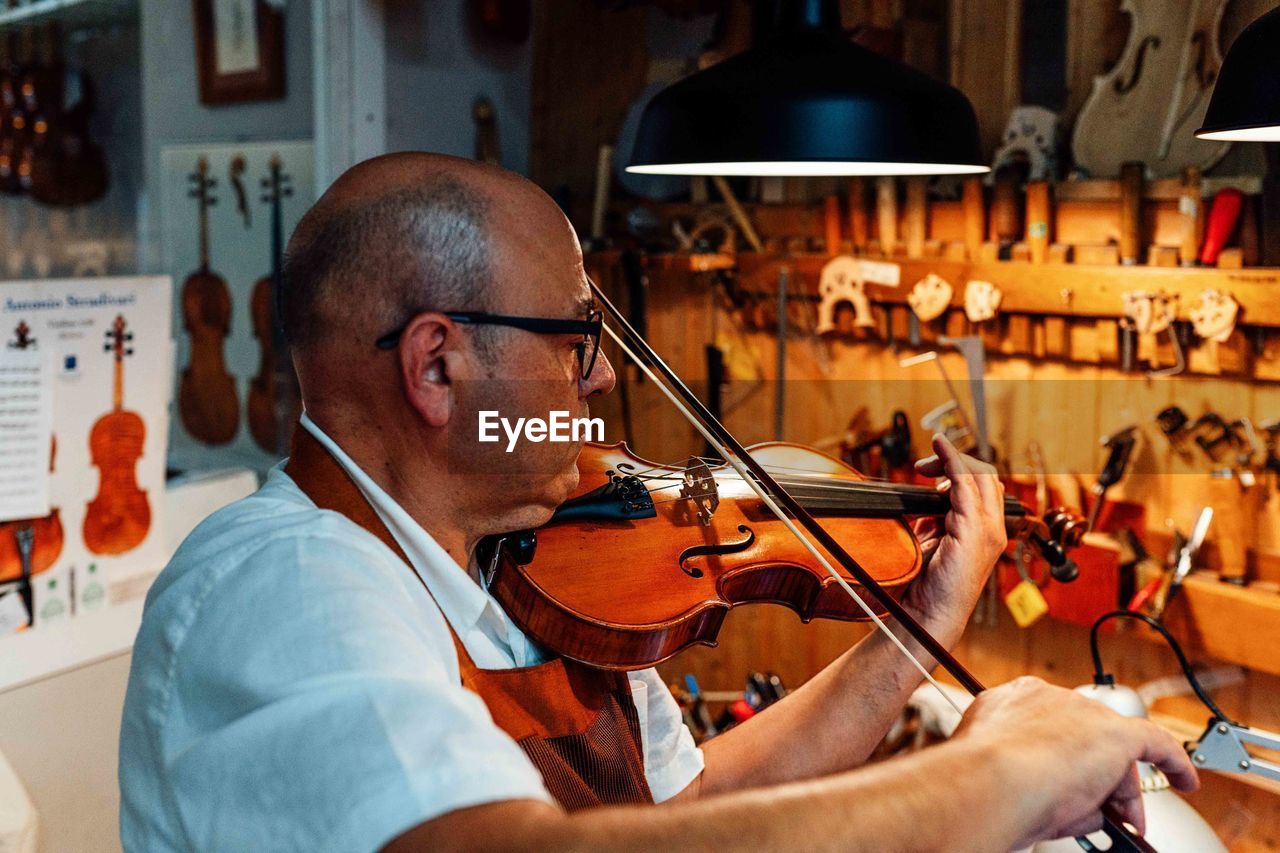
(1060, 530)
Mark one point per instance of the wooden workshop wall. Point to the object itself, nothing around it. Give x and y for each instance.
(828, 380)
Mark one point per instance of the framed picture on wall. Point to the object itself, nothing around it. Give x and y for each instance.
(239, 50)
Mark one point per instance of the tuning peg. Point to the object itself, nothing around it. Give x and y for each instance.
(288, 192)
(106, 347)
(212, 201)
(128, 336)
(213, 182)
(266, 182)
(129, 351)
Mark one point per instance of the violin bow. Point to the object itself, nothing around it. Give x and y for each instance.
(777, 499)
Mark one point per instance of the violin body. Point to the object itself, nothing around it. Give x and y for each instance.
(628, 593)
(263, 425)
(207, 399)
(1147, 108)
(118, 518)
(46, 545)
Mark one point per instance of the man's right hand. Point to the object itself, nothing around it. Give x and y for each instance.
(1067, 755)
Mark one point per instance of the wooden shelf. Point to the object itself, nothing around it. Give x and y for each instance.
(1071, 290)
(1235, 624)
(71, 14)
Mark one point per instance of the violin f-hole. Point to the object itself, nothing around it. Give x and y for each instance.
(718, 549)
(1152, 42)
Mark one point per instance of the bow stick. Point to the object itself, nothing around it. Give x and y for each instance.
(772, 494)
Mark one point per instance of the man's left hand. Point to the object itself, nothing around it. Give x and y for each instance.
(961, 548)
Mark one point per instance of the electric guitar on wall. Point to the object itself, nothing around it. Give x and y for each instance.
(117, 520)
(207, 400)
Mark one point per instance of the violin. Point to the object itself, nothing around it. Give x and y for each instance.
(118, 518)
(207, 400)
(15, 125)
(1148, 106)
(46, 534)
(709, 544)
(61, 165)
(275, 371)
(693, 541)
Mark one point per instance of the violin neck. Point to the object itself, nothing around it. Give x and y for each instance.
(870, 499)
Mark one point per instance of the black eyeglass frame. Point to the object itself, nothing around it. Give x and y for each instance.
(592, 327)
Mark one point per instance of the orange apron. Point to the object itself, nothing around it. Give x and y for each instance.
(577, 724)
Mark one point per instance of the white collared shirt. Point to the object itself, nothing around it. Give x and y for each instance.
(293, 687)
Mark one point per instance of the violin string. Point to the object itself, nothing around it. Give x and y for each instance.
(787, 521)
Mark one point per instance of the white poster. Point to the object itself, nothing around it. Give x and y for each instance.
(25, 429)
(235, 36)
(100, 537)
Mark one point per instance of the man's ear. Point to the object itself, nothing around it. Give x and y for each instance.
(426, 351)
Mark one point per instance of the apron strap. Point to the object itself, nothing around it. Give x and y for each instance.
(330, 487)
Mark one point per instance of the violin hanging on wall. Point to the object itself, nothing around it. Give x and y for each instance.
(1146, 109)
(272, 393)
(46, 533)
(207, 400)
(62, 166)
(118, 518)
(15, 124)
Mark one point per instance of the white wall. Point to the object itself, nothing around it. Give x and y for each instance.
(60, 735)
(435, 70)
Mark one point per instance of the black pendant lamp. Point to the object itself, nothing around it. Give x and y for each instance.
(1246, 100)
(807, 102)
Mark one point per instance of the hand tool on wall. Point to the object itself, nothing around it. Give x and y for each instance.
(1272, 463)
(975, 359)
(858, 225)
(949, 418)
(739, 215)
(1119, 450)
(887, 214)
(831, 224)
(1191, 209)
(1186, 559)
(1039, 220)
(1133, 179)
(975, 217)
(917, 220)
(1224, 216)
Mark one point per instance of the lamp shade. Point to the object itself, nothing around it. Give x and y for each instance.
(1246, 100)
(808, 102)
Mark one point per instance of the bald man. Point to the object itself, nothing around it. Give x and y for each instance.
(320, 667)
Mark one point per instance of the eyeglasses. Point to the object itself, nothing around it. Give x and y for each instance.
(590, 329)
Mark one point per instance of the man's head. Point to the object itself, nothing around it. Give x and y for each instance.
(394, 245)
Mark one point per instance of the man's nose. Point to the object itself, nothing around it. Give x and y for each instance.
(602, 378)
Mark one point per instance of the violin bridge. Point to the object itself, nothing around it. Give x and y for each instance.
(700, 487)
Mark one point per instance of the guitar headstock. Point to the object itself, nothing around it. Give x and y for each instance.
(279, 185)
(22, 336)
(202, 184)
(118, 340)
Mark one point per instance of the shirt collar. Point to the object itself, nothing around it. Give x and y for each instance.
(458, 596)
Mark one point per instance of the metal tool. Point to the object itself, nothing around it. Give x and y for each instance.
(950, 418)
(975, 359)
(1222, 748)
(1187, 557)
(1120, 445)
